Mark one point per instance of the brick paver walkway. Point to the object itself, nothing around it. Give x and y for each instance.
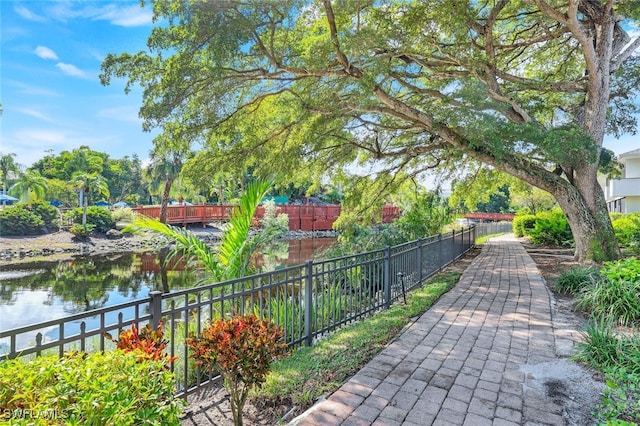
(464, 362)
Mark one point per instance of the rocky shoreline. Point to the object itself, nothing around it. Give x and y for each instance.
(64, 245)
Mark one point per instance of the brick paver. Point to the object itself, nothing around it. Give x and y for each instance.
(460, 362)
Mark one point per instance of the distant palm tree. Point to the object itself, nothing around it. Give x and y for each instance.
(88, 183)
(7, 165)
(28, 183)
(165, 166)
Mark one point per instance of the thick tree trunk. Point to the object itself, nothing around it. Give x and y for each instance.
(590, 224)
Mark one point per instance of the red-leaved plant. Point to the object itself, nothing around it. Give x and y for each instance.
(147, 342)
(241, 349)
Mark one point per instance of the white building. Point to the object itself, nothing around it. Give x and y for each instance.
(623, 195)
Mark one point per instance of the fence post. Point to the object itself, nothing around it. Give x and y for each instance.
(440, 252)
(453, 245)
(308, 303)
(420, 247)
(473, 229)
(155, 308)
(387, 277)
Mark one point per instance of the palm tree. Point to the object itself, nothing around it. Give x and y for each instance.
(7, 165)
(30, 182)
(232, 257)
(88, 183)
(165, 166)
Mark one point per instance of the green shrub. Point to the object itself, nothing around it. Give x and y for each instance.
(551, 227)
(623, 269)
(242, 350)
(110, 388)
(98, 216)
(617, 295)
(48, 213)
(522, 224)
(626, 228)
(123, 214)
(576, 279)
(19, 220)
(82, 231)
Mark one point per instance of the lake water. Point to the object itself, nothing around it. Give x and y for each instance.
(42, 291)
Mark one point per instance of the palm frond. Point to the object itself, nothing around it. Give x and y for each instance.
(186, 241)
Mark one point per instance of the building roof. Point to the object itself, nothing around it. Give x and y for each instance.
(631, 154)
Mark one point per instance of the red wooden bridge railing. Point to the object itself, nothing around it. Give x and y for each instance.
(303, 218)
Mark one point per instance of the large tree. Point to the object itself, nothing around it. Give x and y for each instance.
(529, 87)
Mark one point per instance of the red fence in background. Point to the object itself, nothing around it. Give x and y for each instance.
(489, 216)
(301, 218)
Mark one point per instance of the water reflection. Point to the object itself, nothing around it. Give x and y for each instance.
(49, 290)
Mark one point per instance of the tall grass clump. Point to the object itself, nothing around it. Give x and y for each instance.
(576, 279)
(616, 295)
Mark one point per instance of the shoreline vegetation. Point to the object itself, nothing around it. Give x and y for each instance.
(63, 245)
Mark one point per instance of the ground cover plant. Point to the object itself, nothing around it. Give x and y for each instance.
(611, 296)
(313, 371)
(616, 295)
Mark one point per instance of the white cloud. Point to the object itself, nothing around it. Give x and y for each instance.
(131, 15)
(46, 53)
(71, 70)
(27, 14)
(35, 113)
(126, 113)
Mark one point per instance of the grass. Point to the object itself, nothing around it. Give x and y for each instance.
(574, 280)
(310, 372)
(484, 238)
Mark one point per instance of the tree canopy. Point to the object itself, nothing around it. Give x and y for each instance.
(396, 89)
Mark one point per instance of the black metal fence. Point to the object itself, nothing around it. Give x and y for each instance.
(308, 301)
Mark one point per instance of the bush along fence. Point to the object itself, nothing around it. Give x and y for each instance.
(307, 301)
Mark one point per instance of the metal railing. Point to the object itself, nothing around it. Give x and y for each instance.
(490, 228)
(308, 301)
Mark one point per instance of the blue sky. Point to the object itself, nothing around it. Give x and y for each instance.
(52, 99)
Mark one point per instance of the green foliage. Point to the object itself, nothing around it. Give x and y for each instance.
(123, 214)
(620, 403)
(279, 223)
(82, 231)
(48, 213)
(522, 224)
(551, 228)
(232, 257)
(617, 295)
(90, 389)
(626, 228)
(426, 215)
(97, 216)
(28, 219)
(241, 349)
(344, 84)
(20, 220)
(313, 371)
(603, 349)
(576, 279)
